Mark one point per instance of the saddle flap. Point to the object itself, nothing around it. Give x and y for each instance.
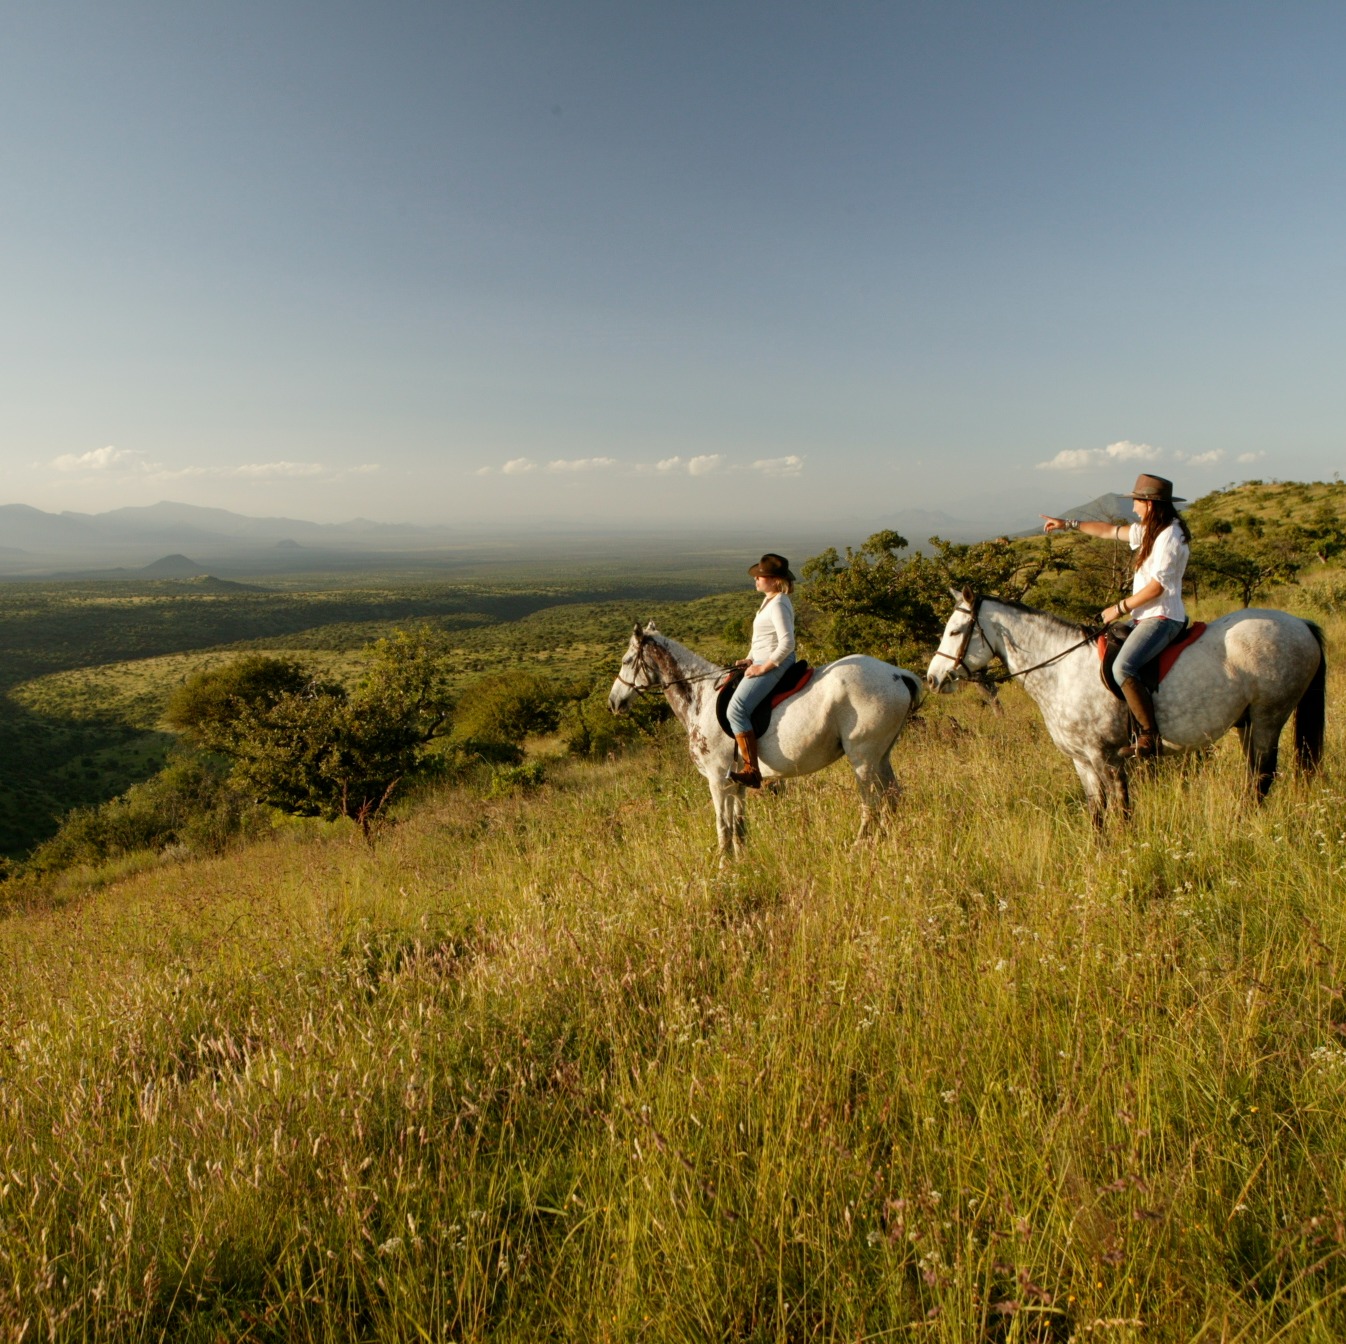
(1110, 645)
(796, 677)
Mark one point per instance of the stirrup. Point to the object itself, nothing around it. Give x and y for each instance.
(1145, 748)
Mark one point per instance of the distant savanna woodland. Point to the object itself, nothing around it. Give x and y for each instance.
(364, 979)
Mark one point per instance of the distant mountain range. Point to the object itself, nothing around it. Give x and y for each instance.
(179, 541)
(33, 541)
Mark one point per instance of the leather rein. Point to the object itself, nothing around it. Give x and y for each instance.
(652, 681)
(959, 659)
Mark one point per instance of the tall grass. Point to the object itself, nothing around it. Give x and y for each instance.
(537, 1069)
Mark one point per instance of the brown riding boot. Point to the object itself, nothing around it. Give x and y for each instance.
(750, 776)
(1148, 742)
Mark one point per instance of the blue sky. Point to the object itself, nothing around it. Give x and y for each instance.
(591, 262)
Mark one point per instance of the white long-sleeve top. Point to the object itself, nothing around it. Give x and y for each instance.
(773, 629)
(1167, 562)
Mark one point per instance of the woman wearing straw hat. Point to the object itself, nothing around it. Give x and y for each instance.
(1160, 541)
(772, 652)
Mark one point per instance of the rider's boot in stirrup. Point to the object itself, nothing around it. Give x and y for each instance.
(750, 776)
(1148, 742)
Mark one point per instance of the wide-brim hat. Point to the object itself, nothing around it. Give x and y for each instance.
(1154, 487)
(772, 566)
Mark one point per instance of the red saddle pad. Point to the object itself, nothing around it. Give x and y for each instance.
(793, 690)
(1171, 654)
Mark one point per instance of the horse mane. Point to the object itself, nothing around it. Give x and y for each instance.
(1065, 626)
(682, 653)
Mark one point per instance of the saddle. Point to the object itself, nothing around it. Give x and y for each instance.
(796, 677)
(1110, 645)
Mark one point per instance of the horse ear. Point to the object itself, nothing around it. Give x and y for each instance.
(967, 596)
(956, 595)
(635, 630)
(651, 628)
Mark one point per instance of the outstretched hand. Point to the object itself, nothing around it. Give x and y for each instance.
(1053, 524)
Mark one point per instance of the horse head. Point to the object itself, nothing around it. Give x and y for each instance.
(635, 673)
(963, 648)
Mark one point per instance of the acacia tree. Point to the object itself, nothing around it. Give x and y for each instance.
(893, 606)
(1224, 566)
(311, 747)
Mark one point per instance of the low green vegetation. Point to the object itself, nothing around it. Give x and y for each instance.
(86, 670)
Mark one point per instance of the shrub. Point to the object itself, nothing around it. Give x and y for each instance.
(188, 803)
(309, 746)
(592, 729)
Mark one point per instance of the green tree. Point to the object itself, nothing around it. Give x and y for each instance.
(1244, 568)
(207, 707)
(501, 711)
(880, 602)
(311, 747)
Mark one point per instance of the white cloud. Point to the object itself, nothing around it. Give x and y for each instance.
(274, 470)
(1074, 459)
(1246, 458)
(1078, 459)
(1201, 459)
(1126, 451)
(265, 471)
(582, 464)
(484, 471)
(102, 459)
(519, 466)
(668, 464)
(704, 464)
(780, 466)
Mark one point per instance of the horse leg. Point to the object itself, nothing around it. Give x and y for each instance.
(730, 823)
(1261, 741)
(879, 792)
(1104, 788)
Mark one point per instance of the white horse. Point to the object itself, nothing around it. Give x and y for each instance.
(1249, 670)
(855, 707)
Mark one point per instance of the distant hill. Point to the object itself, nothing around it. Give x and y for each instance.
(1109, 508)
(208, 583)
(174, 567)
(1271, 503)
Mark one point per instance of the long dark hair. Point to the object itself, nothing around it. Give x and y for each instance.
(1161, 514)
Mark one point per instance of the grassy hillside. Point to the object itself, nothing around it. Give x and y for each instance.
(86, 668)
(1275, 503)
(537, 1069)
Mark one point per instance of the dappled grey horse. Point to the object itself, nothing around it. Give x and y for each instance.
(855, 707)
(1249, 670)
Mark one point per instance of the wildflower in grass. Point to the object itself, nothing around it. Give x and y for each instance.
(1328, 1060)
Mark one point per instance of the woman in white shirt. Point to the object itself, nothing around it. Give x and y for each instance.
(773, 650)
(1160, 541)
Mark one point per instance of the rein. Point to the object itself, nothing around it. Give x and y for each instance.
(652, 681)
(959, 658)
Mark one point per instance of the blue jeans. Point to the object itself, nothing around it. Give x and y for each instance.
(1147, 640)
(751, 692)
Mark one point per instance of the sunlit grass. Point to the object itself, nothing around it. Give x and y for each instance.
(537, 1068)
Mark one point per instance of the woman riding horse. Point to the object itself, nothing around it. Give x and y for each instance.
(771, 654)
(1160, 541)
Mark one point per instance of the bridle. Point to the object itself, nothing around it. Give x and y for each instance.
(959, 658)
(652, 682)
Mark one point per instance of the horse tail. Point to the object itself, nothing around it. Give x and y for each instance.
(917, 687)
(1311, 712)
